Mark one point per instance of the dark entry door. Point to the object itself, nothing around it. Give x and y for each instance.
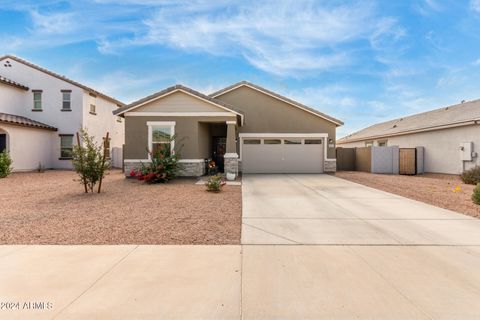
(219, 145)
(3, 142)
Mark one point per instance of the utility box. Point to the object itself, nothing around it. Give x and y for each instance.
(466, 149)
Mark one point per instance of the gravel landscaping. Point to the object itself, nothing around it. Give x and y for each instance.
(51, 208)
(433, 188)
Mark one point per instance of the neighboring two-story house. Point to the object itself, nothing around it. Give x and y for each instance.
(41, 111)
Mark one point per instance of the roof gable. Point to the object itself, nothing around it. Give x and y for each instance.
(56, 75)
(278, 97)
(175, 89)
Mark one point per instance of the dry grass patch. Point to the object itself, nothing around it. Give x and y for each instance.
(51, 208)
(432, 188)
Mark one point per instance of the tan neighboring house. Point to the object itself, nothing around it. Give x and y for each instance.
(243, 127)
(450, 136)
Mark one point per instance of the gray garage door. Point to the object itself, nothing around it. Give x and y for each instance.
(282, 155)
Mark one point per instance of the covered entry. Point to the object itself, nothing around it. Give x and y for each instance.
(282, 153)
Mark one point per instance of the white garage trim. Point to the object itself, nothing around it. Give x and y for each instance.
(284, 135)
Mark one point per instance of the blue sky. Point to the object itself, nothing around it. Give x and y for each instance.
(360, 61)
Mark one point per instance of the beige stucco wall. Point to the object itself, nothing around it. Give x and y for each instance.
(265, 114)
(190, 132)
(441, 147)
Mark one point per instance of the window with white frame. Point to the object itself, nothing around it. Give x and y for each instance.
(382, 143)
(160, 134)
(369, 144)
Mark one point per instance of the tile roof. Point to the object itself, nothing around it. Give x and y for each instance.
(458, 114)
(172, 89)
(278, 96)
(12, 83)
(56, 75)
(22, 121)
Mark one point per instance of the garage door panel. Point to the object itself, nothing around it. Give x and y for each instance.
(282, 158)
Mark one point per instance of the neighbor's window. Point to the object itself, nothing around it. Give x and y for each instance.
(93, 109)
(313, 141)
(37, 100)
(251, 141)
(66, 146)
(382, 143)
(66, 100)
(292, 141)
(369, 144)
(119, 119)
(272, 141)
(162, 137)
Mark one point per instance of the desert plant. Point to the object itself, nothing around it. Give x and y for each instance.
(215, 183)
(5, 164)
(164, 165)
(89, 161)
(476, 194)
(471, 176)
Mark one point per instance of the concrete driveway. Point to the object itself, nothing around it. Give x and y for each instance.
(315, 247)
(323, 209)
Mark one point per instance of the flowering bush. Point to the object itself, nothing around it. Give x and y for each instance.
(5, 164)
(163, 167)
(215, 183)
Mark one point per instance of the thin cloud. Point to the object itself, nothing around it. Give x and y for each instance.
(475, 5)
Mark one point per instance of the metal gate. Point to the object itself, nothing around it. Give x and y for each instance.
(408, 161)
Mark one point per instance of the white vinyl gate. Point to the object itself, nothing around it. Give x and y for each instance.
(282, 155)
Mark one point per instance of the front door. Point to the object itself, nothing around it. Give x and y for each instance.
(219, 145)
(3, 142)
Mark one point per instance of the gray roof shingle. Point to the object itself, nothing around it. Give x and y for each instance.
(430, 120)
(25, 122)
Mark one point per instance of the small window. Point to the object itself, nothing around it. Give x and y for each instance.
(313, 141)
(251, 141)
(161, 139)
(93, 109)
(368, 143)
(66, 146)
(382, 143)
(272, 141)
(37, 100)
(66, 100)
(119, 119)
(292, 141)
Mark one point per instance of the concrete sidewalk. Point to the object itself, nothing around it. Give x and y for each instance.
(222, 282)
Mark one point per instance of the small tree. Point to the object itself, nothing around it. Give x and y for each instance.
(476, 194)
(89, 161)
(5, 164)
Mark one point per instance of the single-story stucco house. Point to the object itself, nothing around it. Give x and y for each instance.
(450, 136)
(243, 127)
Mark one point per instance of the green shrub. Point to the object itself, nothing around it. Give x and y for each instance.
(88, 161)
(5, 164)
(476, 194)
(471, 176)
(215, 183)
(163, 167)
